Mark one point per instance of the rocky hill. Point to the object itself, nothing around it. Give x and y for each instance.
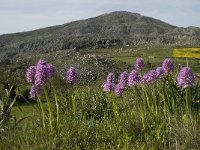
(107, 30)
(62, 44)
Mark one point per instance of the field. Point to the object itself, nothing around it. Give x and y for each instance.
(159, 115)
(187, 52)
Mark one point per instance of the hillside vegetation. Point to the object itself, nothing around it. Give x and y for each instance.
(107, 30)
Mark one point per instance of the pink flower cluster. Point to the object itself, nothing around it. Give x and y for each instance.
(185, 78)
(110, 83)
(38, 76)
(71, 76)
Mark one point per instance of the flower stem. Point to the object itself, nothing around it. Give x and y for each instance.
(49, 108)
(74, 106)
(187, 98)
(42, 109)
(165, 96)
(147, 97)
(115, 108)
(57, 107)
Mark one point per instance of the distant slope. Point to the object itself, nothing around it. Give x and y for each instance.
(107, 30)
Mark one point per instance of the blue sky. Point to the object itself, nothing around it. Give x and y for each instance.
(24, 15)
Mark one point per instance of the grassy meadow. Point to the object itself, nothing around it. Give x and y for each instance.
(82, 116)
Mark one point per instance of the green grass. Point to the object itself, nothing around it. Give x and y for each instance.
(126, 59)
(146, 117)
(91, 122)
(25, 110)
(153, 56)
